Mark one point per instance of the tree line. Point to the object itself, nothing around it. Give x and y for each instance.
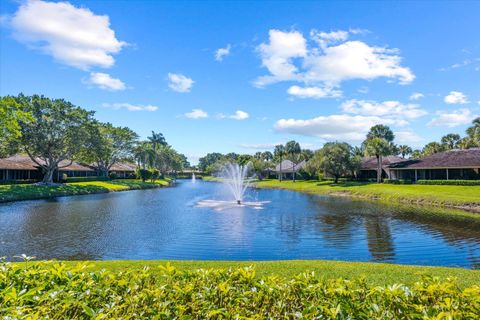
(340, 159)
(55, 132)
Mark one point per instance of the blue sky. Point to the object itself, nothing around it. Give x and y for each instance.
(243, 76)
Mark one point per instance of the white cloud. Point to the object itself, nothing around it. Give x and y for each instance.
(277, 56)
(390, 109)
(314, 92)
(334, 60)
(452, 119)
(239, 115)
(74, 36)
(130, 107)
(332, 127)
(179, 82)
(105, 81)
(222, 52)
(456, 97)
(259, 146)
(416, 96)
(407, 137)
(196, 114)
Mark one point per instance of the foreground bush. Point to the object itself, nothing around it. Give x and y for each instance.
(53, 290)
(451, 182)
(85, 179)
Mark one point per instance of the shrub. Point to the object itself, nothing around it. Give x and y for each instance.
(144, 174)
(85, 179)
(53, 290)
(112, 175)
(451, 182)
(398, 181)
(25, 181)
(64, 177)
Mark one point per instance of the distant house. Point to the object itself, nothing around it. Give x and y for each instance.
(452, 164)
(288, 168)
(368, 167)
(20, 167)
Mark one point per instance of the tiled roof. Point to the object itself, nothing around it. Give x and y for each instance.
(370, 163)
(123, 166)
(21, 162)
(287, 166)
(448, 159)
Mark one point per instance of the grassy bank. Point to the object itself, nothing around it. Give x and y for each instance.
(459, 197)
(375, 273)
(31, 192)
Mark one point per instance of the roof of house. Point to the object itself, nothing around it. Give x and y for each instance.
(370, 163)
(123, 166)
(457, 158)
(287, 166)
(21, 162)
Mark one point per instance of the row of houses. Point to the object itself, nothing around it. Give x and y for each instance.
(449, 165)
(20, 167)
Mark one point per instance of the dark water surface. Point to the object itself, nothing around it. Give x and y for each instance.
(165, 224)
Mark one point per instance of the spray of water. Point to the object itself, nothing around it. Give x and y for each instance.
(237, 180)
(193, 178)
(235, 177)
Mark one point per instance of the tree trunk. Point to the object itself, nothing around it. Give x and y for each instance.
(336, 179)
(379, 168)
(280, 176)
(48, 176)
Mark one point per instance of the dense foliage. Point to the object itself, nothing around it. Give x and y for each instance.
(451, 182)
(53, 290)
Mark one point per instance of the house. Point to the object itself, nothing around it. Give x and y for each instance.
(20, 167)
(452, 164)
(287, 168)
(368, 167)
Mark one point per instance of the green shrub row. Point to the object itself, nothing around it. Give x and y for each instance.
(451, 182)
(84, 179)
(26, 181)
(398, 181)
(53, 290)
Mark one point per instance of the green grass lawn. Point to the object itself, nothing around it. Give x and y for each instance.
(375, 273)
(450, 196)
(31, 192)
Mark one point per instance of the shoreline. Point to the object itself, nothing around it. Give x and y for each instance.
(26, 192)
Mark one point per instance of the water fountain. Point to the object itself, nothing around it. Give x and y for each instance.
(193, 177)
(236, 180)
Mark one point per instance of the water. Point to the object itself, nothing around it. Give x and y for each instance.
(166, 224)
(193, 178)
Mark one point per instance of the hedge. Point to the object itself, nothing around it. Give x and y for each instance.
(397, 181)
(451, 182)
(26, 181)
(53, 290)
(84, 179)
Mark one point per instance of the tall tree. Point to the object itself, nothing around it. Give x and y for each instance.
(144, 154)
(157, 139)
(293, 150)
(404, 150)
(108, 145)
(335, 159)
(11, 117)
(57, 133)
(431, 148)
(267, 156)
(379, 143)
(379, 148)
(473, 132)
(450, 141)
(279, 153)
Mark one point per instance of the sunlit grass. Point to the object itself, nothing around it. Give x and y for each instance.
(30, 192)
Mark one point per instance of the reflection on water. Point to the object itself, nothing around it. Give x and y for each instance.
(168, 224)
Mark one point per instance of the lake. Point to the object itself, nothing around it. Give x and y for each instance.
(166, 224)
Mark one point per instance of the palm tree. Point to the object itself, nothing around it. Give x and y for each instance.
(157, 139)
(404, 150)
(267, 156)
(474, 132)
(451, 141)
(292, 148)
(144, 154)
(379, 148)
(279, 153)
(431, 148)
(379, 143)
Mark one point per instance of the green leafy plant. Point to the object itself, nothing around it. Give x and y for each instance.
(55, 290)
(450, 182)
